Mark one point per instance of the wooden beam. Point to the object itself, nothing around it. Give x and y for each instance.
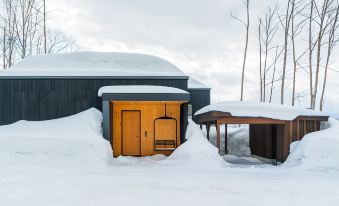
(208, 130)
(250, 120)
(318, 118)
(225, 138)
(200, 126)
(305, 127)
(217, 125)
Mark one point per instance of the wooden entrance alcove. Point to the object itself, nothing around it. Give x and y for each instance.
(143, 124)
(269, 138)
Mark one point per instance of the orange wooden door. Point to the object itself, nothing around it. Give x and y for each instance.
(131, 142)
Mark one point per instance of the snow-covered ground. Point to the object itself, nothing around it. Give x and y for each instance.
(66, 162)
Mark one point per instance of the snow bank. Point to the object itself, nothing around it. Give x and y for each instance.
(93, 64)
(197, 151)
(317, 150)
(259, 109)
(71, 141)
(237, 139)
(140, 89)
(83, 125)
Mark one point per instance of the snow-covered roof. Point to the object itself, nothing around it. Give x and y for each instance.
(259, 109)
(143, 89)
(193, 83)
(93, 64)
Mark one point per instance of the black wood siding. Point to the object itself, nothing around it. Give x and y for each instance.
(199, 99)
(43, 99)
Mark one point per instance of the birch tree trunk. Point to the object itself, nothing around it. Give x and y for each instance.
(245, 52)
(286, 29)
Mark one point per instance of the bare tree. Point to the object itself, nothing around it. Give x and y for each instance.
(273, 80)
(24, 32)
(286, 27)
(260, 67)
(296, 27)
(247, 25)
(269, 32)
(44, 26)
(332, 39)
(310, 51)
(58, 41)
(9, 35)
(324, 22)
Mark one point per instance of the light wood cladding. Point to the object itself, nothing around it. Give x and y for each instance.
(131, 133)
(165, 129)
(149, 111)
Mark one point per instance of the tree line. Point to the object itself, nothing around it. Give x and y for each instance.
(308, 33)
(24, 31)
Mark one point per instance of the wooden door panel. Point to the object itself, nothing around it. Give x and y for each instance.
(131, 133)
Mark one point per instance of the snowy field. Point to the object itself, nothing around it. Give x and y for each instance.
(66, 162)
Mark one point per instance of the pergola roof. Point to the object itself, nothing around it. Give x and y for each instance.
(256, 113)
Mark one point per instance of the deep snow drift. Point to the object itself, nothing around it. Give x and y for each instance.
(317, 150)
(62, 143)
(67, 162)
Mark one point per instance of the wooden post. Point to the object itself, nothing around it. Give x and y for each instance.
(287, 139)
(305, 127)
(298, 130)
(291, 132)
(200, 126)
(217, 126)
(315, 126)
(225, 138)
(208, 130)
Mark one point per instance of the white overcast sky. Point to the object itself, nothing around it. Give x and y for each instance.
(198, 36)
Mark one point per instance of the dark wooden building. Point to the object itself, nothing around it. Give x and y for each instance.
(52, 86)
(269, 137)
(200, 95)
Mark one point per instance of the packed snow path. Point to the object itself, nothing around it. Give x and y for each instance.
(66, 162)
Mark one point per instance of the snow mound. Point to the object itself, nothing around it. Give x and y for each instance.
(259, 109)
(197, 150)
(238, 142)
(317, 150)
(70, 142)
(237, 139)
(83, 125)
(93, 64)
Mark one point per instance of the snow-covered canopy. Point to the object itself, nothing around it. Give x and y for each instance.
(193, 83)
(93, 64)
(134, 89)
(259, 109)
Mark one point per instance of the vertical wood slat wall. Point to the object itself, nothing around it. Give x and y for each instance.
(43, 99)
(199, 98)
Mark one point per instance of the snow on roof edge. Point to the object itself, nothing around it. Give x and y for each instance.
(260, 109)
(194, 83)
(133, 89)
